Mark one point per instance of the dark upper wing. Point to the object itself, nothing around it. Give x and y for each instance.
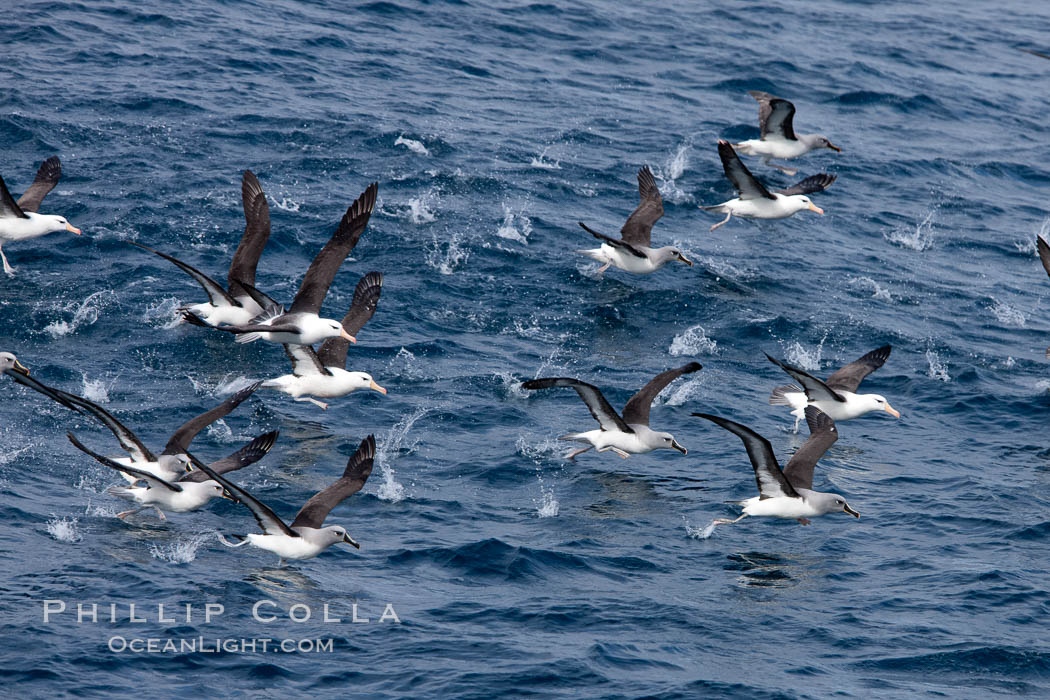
(602, 411)
(848, 378)
(636, 412)
(613, 241)
(771, 481)
(639, 226)
(256, 233)
(249, 454)
(267, 519)
(305, 361)
(738, 174)
(775, 116)
(216, 294)
(822, 435)
(813, 183)
(180, 440)
(9, 209)
(127, 439)
(366, 299)
(53, 394)
(815, 389)
(322, 270)
(359, 466)
(47, 177)
(153, 480)
(1044, 253)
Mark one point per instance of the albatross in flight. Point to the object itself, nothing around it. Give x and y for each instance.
(632, 251)
(20, 220)
(787, 493)
(755, 201)
(835, 397)
(173, 461)
(323, 373)
(627, 434)
(188, 491)
(235, 306)
(778, 138)
(10, 366)
(305, 538)
(301, 324)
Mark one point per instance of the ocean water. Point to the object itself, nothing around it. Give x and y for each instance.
(492, 128)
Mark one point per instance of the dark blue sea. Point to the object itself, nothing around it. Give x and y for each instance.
(492, 128)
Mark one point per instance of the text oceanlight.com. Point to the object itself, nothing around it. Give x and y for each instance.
(205, 645)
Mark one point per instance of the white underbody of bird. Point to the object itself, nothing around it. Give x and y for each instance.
(644, 439)
(310, 329)
(167, 467)
(339, 382)
(226, 314)
(783, 206)
(654, 259)
(783, 506)
(854, 406)
(310, 543)
(192, 496)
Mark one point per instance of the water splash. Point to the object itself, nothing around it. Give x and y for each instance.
(63, 529)
(806, 359)
(516, 226)
(412, 145)
(227, 386)
(446, 256)
(693, 341)
(286, 204)
(163, 314)
(511, 385)
(877, 291)
(1007, 315)
(700, 533)
(937, 369)
(181, 551)
(95, 390)
(541, 161)
(681, 392)
(918, 237)
(673, 168)
(547, 505)
(396, 440)
(85, 313)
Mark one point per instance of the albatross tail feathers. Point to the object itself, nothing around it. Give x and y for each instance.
(779, 395)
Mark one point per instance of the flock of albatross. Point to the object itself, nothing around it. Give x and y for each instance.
(177, 481)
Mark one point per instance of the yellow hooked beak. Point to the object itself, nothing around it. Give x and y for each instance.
(847, 509)
(229, 496)
(834, 147)
(72, 229)
(685, 260)
(350, 541)
(375, 387)
(814, 207)
(346, 336)
(20, 368)
(676, 446)
(892, 411)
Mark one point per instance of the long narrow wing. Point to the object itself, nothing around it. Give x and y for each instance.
(815, 389)
(822, 435)
(358, 467)
(771, 481)
(1044, 253)
(599, 406)
(53, 394)
(267, 519)
(322, 270)
(180, 440)
(366, 299)
(813, 183)
(47, 177)
(636, 412)
(153, 480)
(216, 294)
(775, 116)
(305, 361)
(127, 439)
(9, 209)
(849, 377)
(738, 174)
(249, 454)
(639, 226)
(615, 242)
(256, 233)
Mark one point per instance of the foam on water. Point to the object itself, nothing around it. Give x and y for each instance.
(64, 529)
(693, 341)
(412, 145)
(84, 313)
(447, 252)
